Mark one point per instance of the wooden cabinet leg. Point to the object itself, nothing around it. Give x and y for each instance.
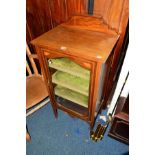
(92, 125)
(55, 113)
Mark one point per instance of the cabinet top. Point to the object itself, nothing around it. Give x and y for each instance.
(86, 37)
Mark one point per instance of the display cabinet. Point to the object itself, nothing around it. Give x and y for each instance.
(75, 59)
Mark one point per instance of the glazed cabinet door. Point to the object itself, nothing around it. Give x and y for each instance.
(70, 83)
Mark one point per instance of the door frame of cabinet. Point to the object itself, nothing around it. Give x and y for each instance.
(95, 68)
(82, 62)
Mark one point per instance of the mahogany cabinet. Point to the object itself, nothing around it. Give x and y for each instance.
(75, 59)
(43, 15)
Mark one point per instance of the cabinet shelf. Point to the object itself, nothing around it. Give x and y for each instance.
(71, 82)
(68, 66)
(71, 95)
(69, 105)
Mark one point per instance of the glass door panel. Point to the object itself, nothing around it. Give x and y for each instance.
(71, 84)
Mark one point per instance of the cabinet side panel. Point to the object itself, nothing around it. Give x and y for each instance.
(100, 98)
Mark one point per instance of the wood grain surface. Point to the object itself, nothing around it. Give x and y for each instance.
(43, 15)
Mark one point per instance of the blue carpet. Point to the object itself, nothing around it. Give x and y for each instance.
(66, 136)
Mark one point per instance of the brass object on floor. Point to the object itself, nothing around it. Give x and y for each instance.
(96, 132)
(91, 134)
(102, 132)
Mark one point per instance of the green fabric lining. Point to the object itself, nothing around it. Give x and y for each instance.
(71, 82)
(71, 95)
(68, 66)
